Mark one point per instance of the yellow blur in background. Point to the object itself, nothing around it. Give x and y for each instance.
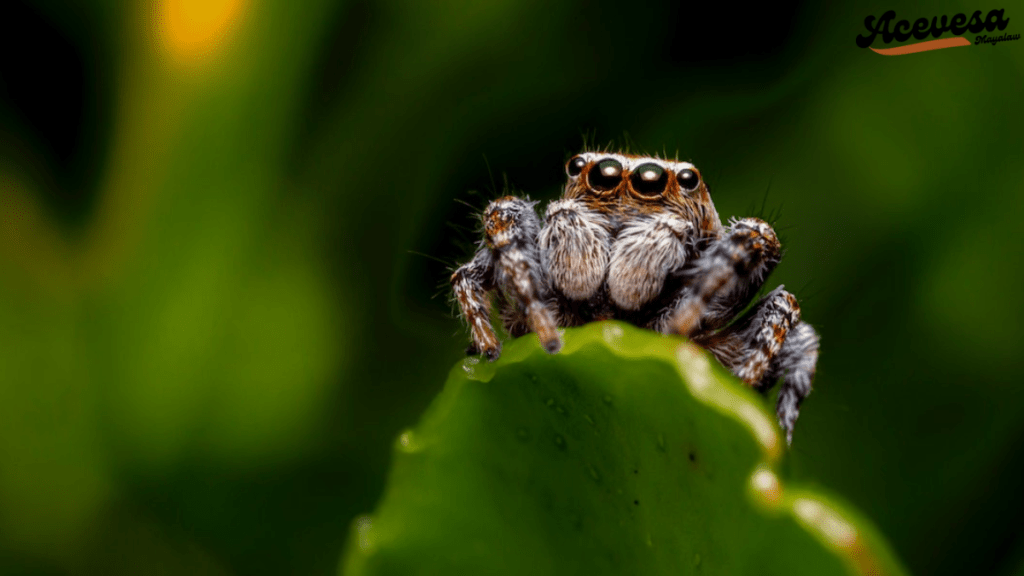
(191, 30)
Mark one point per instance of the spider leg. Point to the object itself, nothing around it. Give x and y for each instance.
(796, 362)
(472, 284)
(749, 346)
(511, 227)
(722, 281)
(768, 342)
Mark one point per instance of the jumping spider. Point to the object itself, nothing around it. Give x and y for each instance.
(637, 238)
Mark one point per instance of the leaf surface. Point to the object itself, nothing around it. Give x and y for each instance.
(629, 452)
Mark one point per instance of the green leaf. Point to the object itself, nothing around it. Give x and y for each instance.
(629, 452)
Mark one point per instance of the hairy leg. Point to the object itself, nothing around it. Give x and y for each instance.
(722, 281)
(511, 227)
(508, 262)
(749, 347)
(472, 284)
(770, 342)
(796, 363)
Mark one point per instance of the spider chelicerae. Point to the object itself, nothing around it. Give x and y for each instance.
(638, 238)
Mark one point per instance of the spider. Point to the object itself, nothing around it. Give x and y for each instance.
(638, 238)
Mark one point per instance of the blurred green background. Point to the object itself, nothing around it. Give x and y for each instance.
(226, 226)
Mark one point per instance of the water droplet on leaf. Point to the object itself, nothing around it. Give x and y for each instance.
(560, 442)
(407, 442)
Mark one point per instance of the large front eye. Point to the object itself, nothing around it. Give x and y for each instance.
(688, 179)
(649, 179)
(575, 166)
(606, 175)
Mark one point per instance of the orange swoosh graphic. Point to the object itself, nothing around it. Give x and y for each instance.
(924, 46)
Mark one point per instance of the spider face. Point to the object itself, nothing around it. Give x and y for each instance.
(637, 238)
(622, 176)
(622, 185)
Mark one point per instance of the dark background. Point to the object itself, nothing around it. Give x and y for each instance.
(226, 229)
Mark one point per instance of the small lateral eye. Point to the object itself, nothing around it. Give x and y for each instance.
(649, 179)
(575, 166)
(606, 175)
(688, 179)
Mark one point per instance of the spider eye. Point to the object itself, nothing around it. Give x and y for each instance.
(575, 166)
(606, 175)
(688, 179)
(649, 179)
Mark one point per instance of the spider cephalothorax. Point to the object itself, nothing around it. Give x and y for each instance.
(638, 238)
